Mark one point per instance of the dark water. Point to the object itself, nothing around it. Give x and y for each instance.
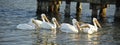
(14, 12)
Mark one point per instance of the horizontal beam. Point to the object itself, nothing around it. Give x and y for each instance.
(89, 1)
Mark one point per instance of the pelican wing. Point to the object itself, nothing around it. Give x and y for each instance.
(46, 25)
(68, 28)
(88, 28)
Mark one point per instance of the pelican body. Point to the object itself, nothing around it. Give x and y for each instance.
(47, 25)
(68, 28)
(26, 26)
(32, 24)
(90, 29)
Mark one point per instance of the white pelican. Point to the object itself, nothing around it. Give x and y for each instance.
(68, 28)
(31, 25)
(88, 28)
(54, 25)
(47, 25)
(25, 26)
(43, 23)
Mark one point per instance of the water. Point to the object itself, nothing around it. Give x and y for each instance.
(14, 12)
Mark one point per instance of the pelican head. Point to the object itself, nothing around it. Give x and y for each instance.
(35, 23)
(76, 24)
(43, 16)
(74, 21)
(55, 22)
(53, 19)
(95, 21)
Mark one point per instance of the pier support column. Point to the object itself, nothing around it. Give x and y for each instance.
(94, 8)
(103, 9)
(94, 13)
(51, 9)
(51, 6)
(117, 11)
(41, 8)
(38, 12)
(57, 6)
(67, 8)
(56, 10)
(102, 13)
(78, 10)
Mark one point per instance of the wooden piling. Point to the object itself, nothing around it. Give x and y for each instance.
(38, 8)
(94, 8)
(38, 12)
(67, 8)
(78, 7)
(53, 9)
(117, 4)
(117, 16)
(51, 6)
(41, 8)
(57, 6)
(117, 11)
(103, 9)
(102, 13)
(78, 10)
(94, 13)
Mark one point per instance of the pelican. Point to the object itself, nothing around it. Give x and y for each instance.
(33, 23)
(88, 28)
(46, 25)
(68, 28)
(43, 23)
(26, 26)
(54, 25)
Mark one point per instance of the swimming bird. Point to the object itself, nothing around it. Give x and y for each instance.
(68, 28)
(43, 23)
(54, 25)
(31, 25)
(26, 26)
(89, 28)
(47, 25)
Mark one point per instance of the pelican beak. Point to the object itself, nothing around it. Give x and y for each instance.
(46, 18)
(96, 21)
(53, 30)
(78, 26)
(57, 23)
